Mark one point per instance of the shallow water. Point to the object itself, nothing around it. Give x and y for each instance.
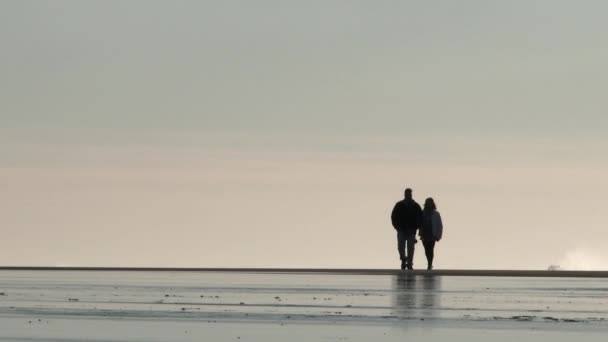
(136, 306)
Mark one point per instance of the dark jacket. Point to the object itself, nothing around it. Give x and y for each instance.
(432, 227)
(426, 231)
(407, 216)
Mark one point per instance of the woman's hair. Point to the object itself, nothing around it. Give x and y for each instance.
(429, 204)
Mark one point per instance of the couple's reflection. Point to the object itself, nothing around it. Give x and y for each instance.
(416, 296)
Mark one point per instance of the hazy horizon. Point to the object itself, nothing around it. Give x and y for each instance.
(273, 134)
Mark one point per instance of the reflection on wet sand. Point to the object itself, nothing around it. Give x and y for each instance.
(416, 296)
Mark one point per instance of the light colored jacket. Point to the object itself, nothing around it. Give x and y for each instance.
(437, 226)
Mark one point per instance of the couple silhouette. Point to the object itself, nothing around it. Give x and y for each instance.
(408, 218)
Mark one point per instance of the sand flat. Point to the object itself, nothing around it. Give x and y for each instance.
(120, 305)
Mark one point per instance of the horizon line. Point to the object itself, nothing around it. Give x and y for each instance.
(346, 271)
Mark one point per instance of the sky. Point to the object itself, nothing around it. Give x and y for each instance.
(281, 133)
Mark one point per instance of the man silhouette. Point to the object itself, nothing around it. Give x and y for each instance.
(406, 218)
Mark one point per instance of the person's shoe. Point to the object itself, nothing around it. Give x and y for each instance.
(410, 267)
(429, 268)
(403, 264)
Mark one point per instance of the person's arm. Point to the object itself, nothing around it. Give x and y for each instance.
(420, 216)
(439, 226)
(394, 216)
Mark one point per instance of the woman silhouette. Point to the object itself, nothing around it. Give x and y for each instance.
(432, 229)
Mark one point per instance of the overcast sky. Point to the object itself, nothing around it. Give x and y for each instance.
(281, 133)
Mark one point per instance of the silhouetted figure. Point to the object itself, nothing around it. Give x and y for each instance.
(431, 231)
(406, 218)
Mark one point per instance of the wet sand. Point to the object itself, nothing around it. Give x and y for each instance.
(127, 305)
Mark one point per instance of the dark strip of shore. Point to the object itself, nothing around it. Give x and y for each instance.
(470, 273)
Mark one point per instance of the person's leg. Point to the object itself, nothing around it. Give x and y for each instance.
(425, 243)
(411, 240)
(431, 253)
(401, 247)
(428, 251)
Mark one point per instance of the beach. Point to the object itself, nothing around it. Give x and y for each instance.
(300, 305)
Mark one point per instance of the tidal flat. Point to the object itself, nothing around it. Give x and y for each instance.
(45, 305)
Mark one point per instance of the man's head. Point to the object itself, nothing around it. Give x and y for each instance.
(408, 193)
